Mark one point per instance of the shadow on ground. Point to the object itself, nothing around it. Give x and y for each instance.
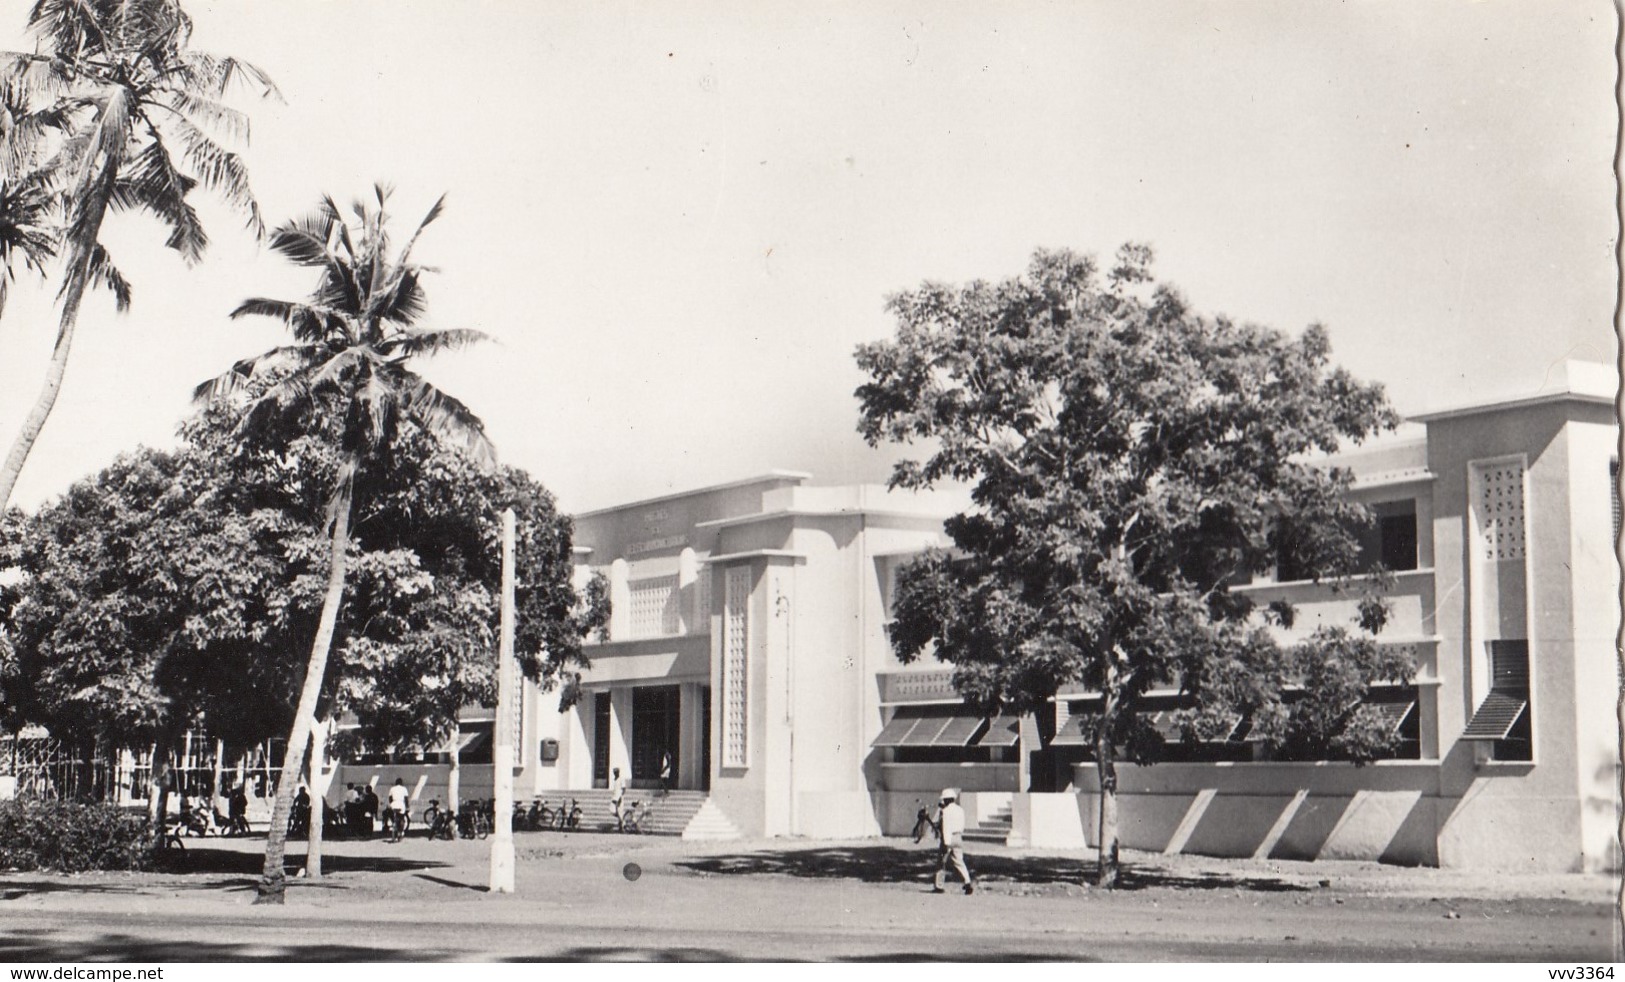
(892, 864)
(125, 947)
(203, 868)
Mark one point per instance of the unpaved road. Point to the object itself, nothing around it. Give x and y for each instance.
(767, 901)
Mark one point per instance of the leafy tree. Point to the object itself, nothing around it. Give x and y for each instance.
(1130, 461)
(144, 603)
(118, 83)
(347, 372)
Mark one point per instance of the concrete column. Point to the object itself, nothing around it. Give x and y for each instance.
(620, 731)
(620, 600)
(691, 755)
(688, 592)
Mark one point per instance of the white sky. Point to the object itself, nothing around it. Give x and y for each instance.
(679, 219)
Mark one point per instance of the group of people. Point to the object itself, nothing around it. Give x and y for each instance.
(358, 813)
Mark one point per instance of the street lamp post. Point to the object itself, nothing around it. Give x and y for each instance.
(502, 860)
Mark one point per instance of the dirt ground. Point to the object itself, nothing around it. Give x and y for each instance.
(607, 897)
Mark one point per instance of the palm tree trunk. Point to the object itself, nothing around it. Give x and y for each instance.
(54, 374)
(273, 883)
(313, 766)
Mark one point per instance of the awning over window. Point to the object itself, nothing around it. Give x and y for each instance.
(1496, 716)
(936, 726)
(1394, 713)
(467, 740)
(1002, 731)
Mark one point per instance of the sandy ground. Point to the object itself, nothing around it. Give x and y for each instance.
(607, 897)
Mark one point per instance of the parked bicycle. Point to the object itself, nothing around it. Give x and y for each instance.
(568, 819)
(637, 818)
(474, 820)
(924, 823)
(534, 818)
(441, 822)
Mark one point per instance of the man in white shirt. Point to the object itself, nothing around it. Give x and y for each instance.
(398, 798)
(951, 827)
(617, 794)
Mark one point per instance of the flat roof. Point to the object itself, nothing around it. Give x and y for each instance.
(764, 478)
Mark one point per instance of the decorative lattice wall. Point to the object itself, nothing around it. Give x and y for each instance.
(654, 607)
(735, 659)
(1499, 505)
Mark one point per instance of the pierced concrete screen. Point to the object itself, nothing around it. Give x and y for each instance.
(654, 607)
(735, 657)
(1500, 509)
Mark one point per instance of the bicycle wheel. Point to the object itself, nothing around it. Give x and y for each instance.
(430, 815)
(483, 829)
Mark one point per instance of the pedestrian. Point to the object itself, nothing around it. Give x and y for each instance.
(665, 772)
(369, 809)
(951, 828)
(395, 821)
(299, 824)
(239, 811)
(617, 794)
(352, 809)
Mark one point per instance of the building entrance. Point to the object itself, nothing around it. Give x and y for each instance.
(600, 740)
(656, 728)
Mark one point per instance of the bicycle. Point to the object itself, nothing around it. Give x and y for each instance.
(923, 823)
(540, 816)
(568, 819)
(473, 822)
(639, 818)
(395, 823)
(444, 827)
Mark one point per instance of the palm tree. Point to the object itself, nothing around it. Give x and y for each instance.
(121, 85)
(353, 337)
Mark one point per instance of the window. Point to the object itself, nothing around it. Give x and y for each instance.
(1502, 719)
(1613, 494)
(1391, 538)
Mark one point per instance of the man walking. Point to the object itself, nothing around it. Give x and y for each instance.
(617, 794)
(396, 820)
(951, 827)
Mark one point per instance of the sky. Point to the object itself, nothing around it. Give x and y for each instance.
(678, 220)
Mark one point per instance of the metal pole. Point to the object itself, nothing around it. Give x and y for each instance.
(502, 859)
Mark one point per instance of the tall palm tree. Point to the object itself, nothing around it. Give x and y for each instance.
(353, 337)
(124, 85)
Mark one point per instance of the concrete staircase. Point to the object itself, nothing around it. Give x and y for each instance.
(710, 825)
(671, 813)
(993, 828)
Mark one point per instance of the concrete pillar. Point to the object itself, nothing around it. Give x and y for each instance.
(620, 731)
(691, 753)
(688, 592)
(620, 601)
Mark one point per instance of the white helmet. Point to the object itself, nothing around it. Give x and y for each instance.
(949, 794)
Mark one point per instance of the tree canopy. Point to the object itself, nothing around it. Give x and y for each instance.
(1130, 462)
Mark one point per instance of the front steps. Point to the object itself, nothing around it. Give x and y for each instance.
(670, 814)
(710, 825)
(993, 828)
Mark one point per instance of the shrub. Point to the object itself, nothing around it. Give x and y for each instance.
(70, 836)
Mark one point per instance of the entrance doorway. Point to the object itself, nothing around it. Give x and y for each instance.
(600, 740)
(656, 727)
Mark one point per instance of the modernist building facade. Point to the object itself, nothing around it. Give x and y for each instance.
(748, 651)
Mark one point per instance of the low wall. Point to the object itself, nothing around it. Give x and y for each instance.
(424, 781)
(1281, 811)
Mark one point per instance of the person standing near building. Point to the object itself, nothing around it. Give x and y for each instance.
(665, 772)
(369, 809)
(395, 822)
(617, 794)
(951, 827)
